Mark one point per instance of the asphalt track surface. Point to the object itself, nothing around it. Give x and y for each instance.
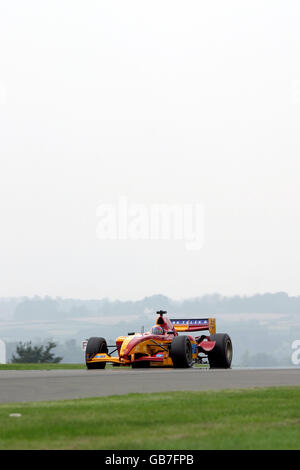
(39, 385)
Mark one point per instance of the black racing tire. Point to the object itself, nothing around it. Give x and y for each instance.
(181, 352)
(94, 346)
(221, 355)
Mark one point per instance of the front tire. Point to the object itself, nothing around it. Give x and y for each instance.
(181, 352)
(221, 355)
(93, 347)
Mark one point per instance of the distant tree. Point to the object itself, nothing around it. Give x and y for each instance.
(245, 360)
(48, 356)
(33, 354)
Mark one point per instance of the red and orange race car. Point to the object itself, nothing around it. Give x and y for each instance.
(163, 346)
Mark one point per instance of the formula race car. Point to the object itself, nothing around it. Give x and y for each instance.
(163, 346)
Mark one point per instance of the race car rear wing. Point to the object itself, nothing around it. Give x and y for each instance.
(195, 324)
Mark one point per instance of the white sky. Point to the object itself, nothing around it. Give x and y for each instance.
(160, 102)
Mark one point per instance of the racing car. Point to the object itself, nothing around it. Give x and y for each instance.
(164, 346)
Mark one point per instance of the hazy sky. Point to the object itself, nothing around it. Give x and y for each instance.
(161, 102)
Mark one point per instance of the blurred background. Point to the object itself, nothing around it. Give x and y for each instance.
(162, 103)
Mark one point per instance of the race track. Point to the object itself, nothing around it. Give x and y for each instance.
(37, 385)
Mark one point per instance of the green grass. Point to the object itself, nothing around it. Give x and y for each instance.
(41, 366)
(50, 366)
(231, 419)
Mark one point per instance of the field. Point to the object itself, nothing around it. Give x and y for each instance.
(51, 366)
(41, 366)
(241, 419)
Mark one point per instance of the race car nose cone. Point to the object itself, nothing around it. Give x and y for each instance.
(129, 344)
(126, 346)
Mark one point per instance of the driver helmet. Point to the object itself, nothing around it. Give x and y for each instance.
(157, 330)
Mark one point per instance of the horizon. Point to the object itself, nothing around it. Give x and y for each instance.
(208, 294)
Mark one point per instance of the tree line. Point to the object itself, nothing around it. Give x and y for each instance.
(29, 354)
(47, 308)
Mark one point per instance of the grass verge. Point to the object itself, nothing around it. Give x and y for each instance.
(51, 366)
(229, 419)
(41, 366)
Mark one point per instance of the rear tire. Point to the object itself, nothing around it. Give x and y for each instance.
(221, 356)
(181, 352)
(93, 347)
